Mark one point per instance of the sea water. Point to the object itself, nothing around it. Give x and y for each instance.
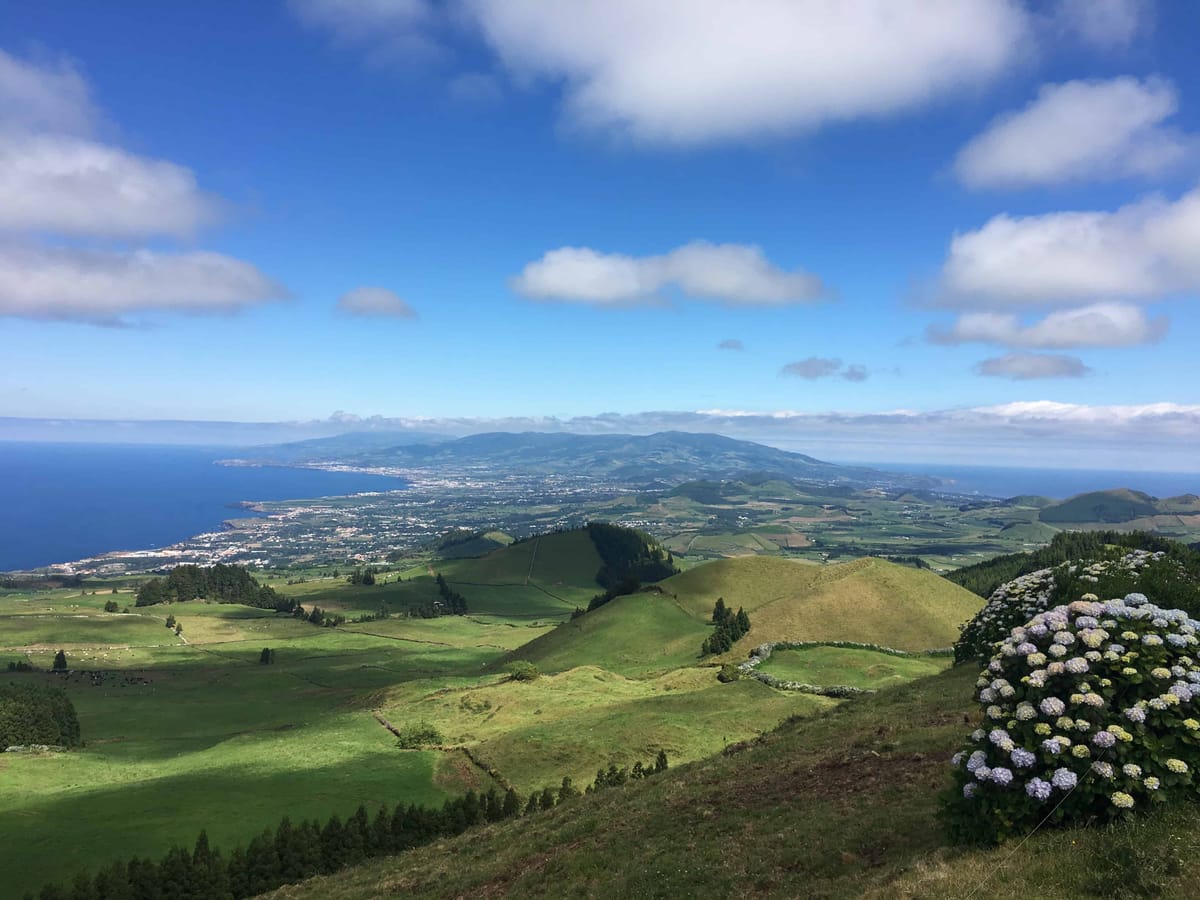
(63, 502)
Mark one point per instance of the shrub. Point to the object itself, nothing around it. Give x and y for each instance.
(1088, 714)
(412, 737)
(523, 670)
(1017, 601)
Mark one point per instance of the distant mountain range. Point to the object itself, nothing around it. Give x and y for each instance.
(666, 458)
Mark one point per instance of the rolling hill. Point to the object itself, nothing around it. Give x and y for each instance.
(840, 806)
(1120, 505)
(867, 600)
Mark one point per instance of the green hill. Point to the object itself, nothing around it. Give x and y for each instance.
(867, 601)
(1120, 505)
(839, 806)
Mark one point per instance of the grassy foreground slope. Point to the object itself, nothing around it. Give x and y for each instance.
(867, 600)
(839, 806)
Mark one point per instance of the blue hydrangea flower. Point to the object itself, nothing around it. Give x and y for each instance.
(1038, 789)
(1022, 758)
(1064, 779)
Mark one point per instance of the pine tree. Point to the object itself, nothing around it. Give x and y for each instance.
(567, 790)
(660, 763)
(381, 834)
(532, 805)
(332, 847)
(60, 661)
(546, 801)
(493, 807)
(719, 612)
(512, 804)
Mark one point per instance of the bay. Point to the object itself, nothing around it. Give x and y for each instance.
(63, 502)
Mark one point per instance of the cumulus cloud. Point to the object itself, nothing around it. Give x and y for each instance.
(64, 283)
(815, 367)
(1029, 366)
(709, 71)
(49, 94)
(1098, 325)
(731, 344)
(1103, 23)
(1144, 251)
(1076, 131)
(736, 274)
(74, 186)
(375, 302)
(60, 184)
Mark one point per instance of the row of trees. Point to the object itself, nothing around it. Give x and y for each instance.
(983, 578)
(37, 714)
(225, 584)
(731, 627)
(628, 555)
(292, 853)
(452, 602)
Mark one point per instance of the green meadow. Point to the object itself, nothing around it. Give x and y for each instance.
(190, 731)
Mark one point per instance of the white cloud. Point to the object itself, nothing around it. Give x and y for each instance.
(1144, 251)
(736, 274)
(710, 70)
(1099, 325)
(375, 302)
(47, 95)
(1028, 366)
(1103, 23)
(63, 283)
(73, 186)
(1076, 131)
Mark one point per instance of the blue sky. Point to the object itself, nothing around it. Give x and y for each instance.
(505, 213)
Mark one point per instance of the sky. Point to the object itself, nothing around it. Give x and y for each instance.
(965, 230)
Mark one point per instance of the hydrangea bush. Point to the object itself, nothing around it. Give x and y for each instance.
(1089, 710)
(1017, 601)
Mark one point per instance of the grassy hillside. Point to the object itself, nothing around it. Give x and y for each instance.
(839, 806)
(1119, 505)
(867, 601)
(542, 576)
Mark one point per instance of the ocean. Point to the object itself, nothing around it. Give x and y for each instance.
(62, 502)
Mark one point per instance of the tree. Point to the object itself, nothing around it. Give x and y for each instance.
(512, 804)
(60, 661)
(567, 790)
(111, 606)
(546, 801)
(266, 657)
(719, 612)
(660, 763)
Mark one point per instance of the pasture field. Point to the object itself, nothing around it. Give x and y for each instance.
(850, 666)
(869, 601)
(191, 731)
